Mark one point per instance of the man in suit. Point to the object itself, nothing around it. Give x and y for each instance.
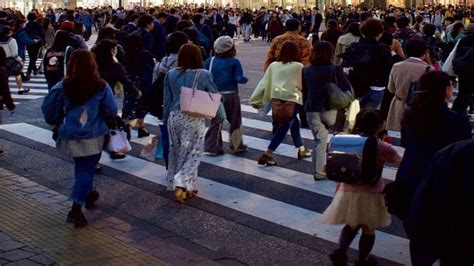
(159, 34)
(216, 21)
(315, 21)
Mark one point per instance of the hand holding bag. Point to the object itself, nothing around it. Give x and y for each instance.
(199, 103)
(118, 142)
(338, 99)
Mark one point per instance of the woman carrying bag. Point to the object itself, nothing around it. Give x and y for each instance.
(186, 131)
(320, 115)
(281, 87)
(80, 106)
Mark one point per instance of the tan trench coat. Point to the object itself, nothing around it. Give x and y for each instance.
(401, 77)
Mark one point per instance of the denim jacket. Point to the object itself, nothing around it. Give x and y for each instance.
(79, 122)
(175, 79)
(227, 73)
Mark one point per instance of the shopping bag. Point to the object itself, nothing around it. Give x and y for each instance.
(149, 150)
(118, 142)
(162, 148)
(199, 103)
(351, 115)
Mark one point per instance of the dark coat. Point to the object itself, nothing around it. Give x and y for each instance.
(147, 38)
(170, 24)
(315, 97)
(116, 73)
(441, 215)
(35, 31)
(370, 67)
(6, 97)
(159, 41)
(419, 151)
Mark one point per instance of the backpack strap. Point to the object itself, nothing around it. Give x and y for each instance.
(67, 52)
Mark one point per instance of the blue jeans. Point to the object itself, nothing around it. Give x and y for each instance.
(280, 134)
(247, 28)
(84, 171)
(373, 99)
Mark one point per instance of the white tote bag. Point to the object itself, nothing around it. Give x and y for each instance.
(118, 142)
(351, 115)
(199, 103)
(448, 64)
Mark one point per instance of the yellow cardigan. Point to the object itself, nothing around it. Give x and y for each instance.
(281, 81)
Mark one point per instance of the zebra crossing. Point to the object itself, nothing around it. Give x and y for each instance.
(290, 175)
(249, 196)
(389, 246)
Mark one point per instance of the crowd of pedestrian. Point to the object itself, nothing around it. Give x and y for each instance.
(400, 64)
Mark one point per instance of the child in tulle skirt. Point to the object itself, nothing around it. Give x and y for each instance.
(362, 207)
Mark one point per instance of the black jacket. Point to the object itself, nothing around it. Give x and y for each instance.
(371, 64)
(35, 30)
(116, 73)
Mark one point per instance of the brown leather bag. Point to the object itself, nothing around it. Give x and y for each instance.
(282, 111)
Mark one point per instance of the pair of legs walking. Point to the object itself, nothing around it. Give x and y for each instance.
(213, 143)
(319, 122)
(83, 192)
(279, 135)
(366, 243)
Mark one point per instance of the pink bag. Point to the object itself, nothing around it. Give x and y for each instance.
(199, 103)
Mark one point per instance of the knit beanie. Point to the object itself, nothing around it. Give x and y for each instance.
(223, 44)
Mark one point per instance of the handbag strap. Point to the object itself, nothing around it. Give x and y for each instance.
(196, 78)
(211, 64)
(333, 74)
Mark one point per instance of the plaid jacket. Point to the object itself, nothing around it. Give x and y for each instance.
(274, 51)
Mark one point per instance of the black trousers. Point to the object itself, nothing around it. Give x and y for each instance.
(466, 89)
(33, 53)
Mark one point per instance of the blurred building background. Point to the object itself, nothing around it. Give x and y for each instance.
(26, 5)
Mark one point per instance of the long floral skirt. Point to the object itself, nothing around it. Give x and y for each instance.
(186, 137)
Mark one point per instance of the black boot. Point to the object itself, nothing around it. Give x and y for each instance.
(76, 216)
(339, 257)
(142, 132)
(91, 198)
(366, 243)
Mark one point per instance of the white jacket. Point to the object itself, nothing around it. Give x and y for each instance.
(10, 47)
